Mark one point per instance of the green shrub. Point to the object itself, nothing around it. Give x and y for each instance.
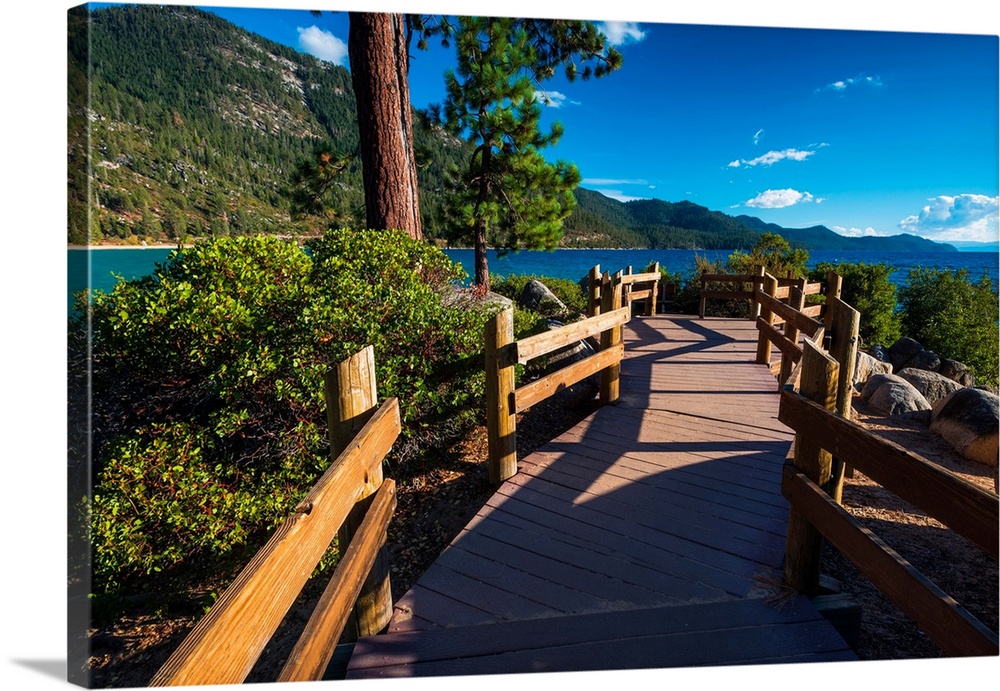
(867, 288)
(208, 405)
(954, 317)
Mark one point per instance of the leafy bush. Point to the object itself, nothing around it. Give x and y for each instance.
(209, 413)
(773, 253)
(867, 288)
(954, 317)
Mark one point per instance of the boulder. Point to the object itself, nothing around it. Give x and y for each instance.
(931, 385)
(969, 420)
(902, 351)
(892, 395)
(880, 352)
(925, 360)
(467, 298)
(953, 369)
(866, 366)
(537, 297)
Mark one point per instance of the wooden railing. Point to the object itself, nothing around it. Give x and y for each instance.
(351, 497)
(750, 285)
(643, 287)
(503, 354)
(811, 486)
(783, 318)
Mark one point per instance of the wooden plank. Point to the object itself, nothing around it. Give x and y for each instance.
(222, 648)
(777, 338)
(740, 632)
(315, 646)
(949, 625)
(965, 508)
(541, 344)
(540, 389)
(612, 299)
(622, 627)
(631, 279)
(806, 325)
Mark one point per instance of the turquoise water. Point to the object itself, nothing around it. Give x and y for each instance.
(100, 268)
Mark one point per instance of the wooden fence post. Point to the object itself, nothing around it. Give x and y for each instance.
(701, 302)
(804, 545)
(758, 284)
(594, 291)
(654, 292)
(763, 343)
(351, 400)
(834, 284)
(845, 322)
(501, 424)
(611, 299)
(796, 300)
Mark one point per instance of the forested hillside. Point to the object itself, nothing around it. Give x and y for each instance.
(197, 127)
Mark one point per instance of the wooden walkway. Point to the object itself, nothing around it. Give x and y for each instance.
(650, 535)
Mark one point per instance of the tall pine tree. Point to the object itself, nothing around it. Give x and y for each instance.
(509, 196)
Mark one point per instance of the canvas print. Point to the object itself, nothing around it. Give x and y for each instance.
(407, 345)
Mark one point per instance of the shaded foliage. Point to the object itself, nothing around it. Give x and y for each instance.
(209, 418)
(953, 316)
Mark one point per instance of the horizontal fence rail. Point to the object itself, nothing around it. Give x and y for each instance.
(226, 643)
(823, 435)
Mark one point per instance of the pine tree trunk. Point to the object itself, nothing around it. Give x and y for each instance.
(379, 72)
(482, 269)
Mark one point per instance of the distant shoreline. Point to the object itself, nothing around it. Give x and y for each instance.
(126, 247)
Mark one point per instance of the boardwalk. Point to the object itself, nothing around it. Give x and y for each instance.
(649, 535)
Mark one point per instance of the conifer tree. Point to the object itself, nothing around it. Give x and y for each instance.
(509, 196)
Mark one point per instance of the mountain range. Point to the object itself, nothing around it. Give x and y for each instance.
(182, 124)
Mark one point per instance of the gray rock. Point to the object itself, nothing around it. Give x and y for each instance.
(880, 352)
(902, 351)
(958, 371)
(866, 366)
(969, 420)
(466, 298)
(537, 297)
(925, 360)
(892, 395)
(931, 385)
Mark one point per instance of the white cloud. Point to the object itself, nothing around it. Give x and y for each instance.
(553, 99)
(844, 84)
(779, 199)
(855, 232)
(620, 195)
(772, 157)
(323, 45)
(621, 32)
(757, 136)
(614, 181)
(970, 217)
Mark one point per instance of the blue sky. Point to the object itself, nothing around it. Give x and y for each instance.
(869, 132)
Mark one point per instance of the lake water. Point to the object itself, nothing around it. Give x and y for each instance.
(106, 264)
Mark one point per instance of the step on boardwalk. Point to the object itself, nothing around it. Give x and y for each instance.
(650, 535)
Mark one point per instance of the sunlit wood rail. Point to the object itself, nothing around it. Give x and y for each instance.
(351, 498)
